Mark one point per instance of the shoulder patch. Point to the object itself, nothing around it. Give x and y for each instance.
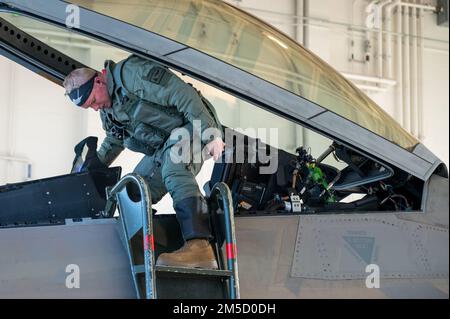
(155, 75)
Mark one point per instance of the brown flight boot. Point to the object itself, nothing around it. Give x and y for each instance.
(195, 253)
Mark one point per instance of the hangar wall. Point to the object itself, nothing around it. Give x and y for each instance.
(37, 132)
(39, 127)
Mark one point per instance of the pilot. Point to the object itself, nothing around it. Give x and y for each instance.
(141, 103)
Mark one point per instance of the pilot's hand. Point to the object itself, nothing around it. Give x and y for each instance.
(215, 148)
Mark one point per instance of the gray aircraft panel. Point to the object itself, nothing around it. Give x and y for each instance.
(408, 290)
(220, 74)
(33, 264)
(341, 246)
(439, 168)
(34, 259)
(379, 146)
(266, 249)
(435, 200)
(423, 152)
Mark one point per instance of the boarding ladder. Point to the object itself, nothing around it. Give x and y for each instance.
(146, 235)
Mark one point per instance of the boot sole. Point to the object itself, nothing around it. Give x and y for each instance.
(210, 265)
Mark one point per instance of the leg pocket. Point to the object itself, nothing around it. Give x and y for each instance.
(150, 169)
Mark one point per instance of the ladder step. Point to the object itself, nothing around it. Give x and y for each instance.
(194, 271)
(139, 269)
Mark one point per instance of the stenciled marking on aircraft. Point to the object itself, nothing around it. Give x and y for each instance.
(362, 245)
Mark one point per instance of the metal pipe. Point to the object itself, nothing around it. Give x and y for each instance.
(371, 88)
(306, 30)
(367, 78)
(380, 52)
(368, 52)
(419, 6)
(380, 38)
(10, 115)
(414, 88)
(14, 159)
(406, 72)
(25, 161)
(368, 46)
(310, 20)
(420, 76)
(325, 154)
(298, 20)
(306, 12)
(299, 33)
(388, 24)
(399, 63)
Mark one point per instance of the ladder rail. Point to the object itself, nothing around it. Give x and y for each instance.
(223, 191)
(220, 192)
(147, 228)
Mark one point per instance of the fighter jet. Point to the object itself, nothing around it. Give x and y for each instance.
(365, 216)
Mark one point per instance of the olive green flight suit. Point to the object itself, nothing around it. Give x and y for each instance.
(148, 103)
